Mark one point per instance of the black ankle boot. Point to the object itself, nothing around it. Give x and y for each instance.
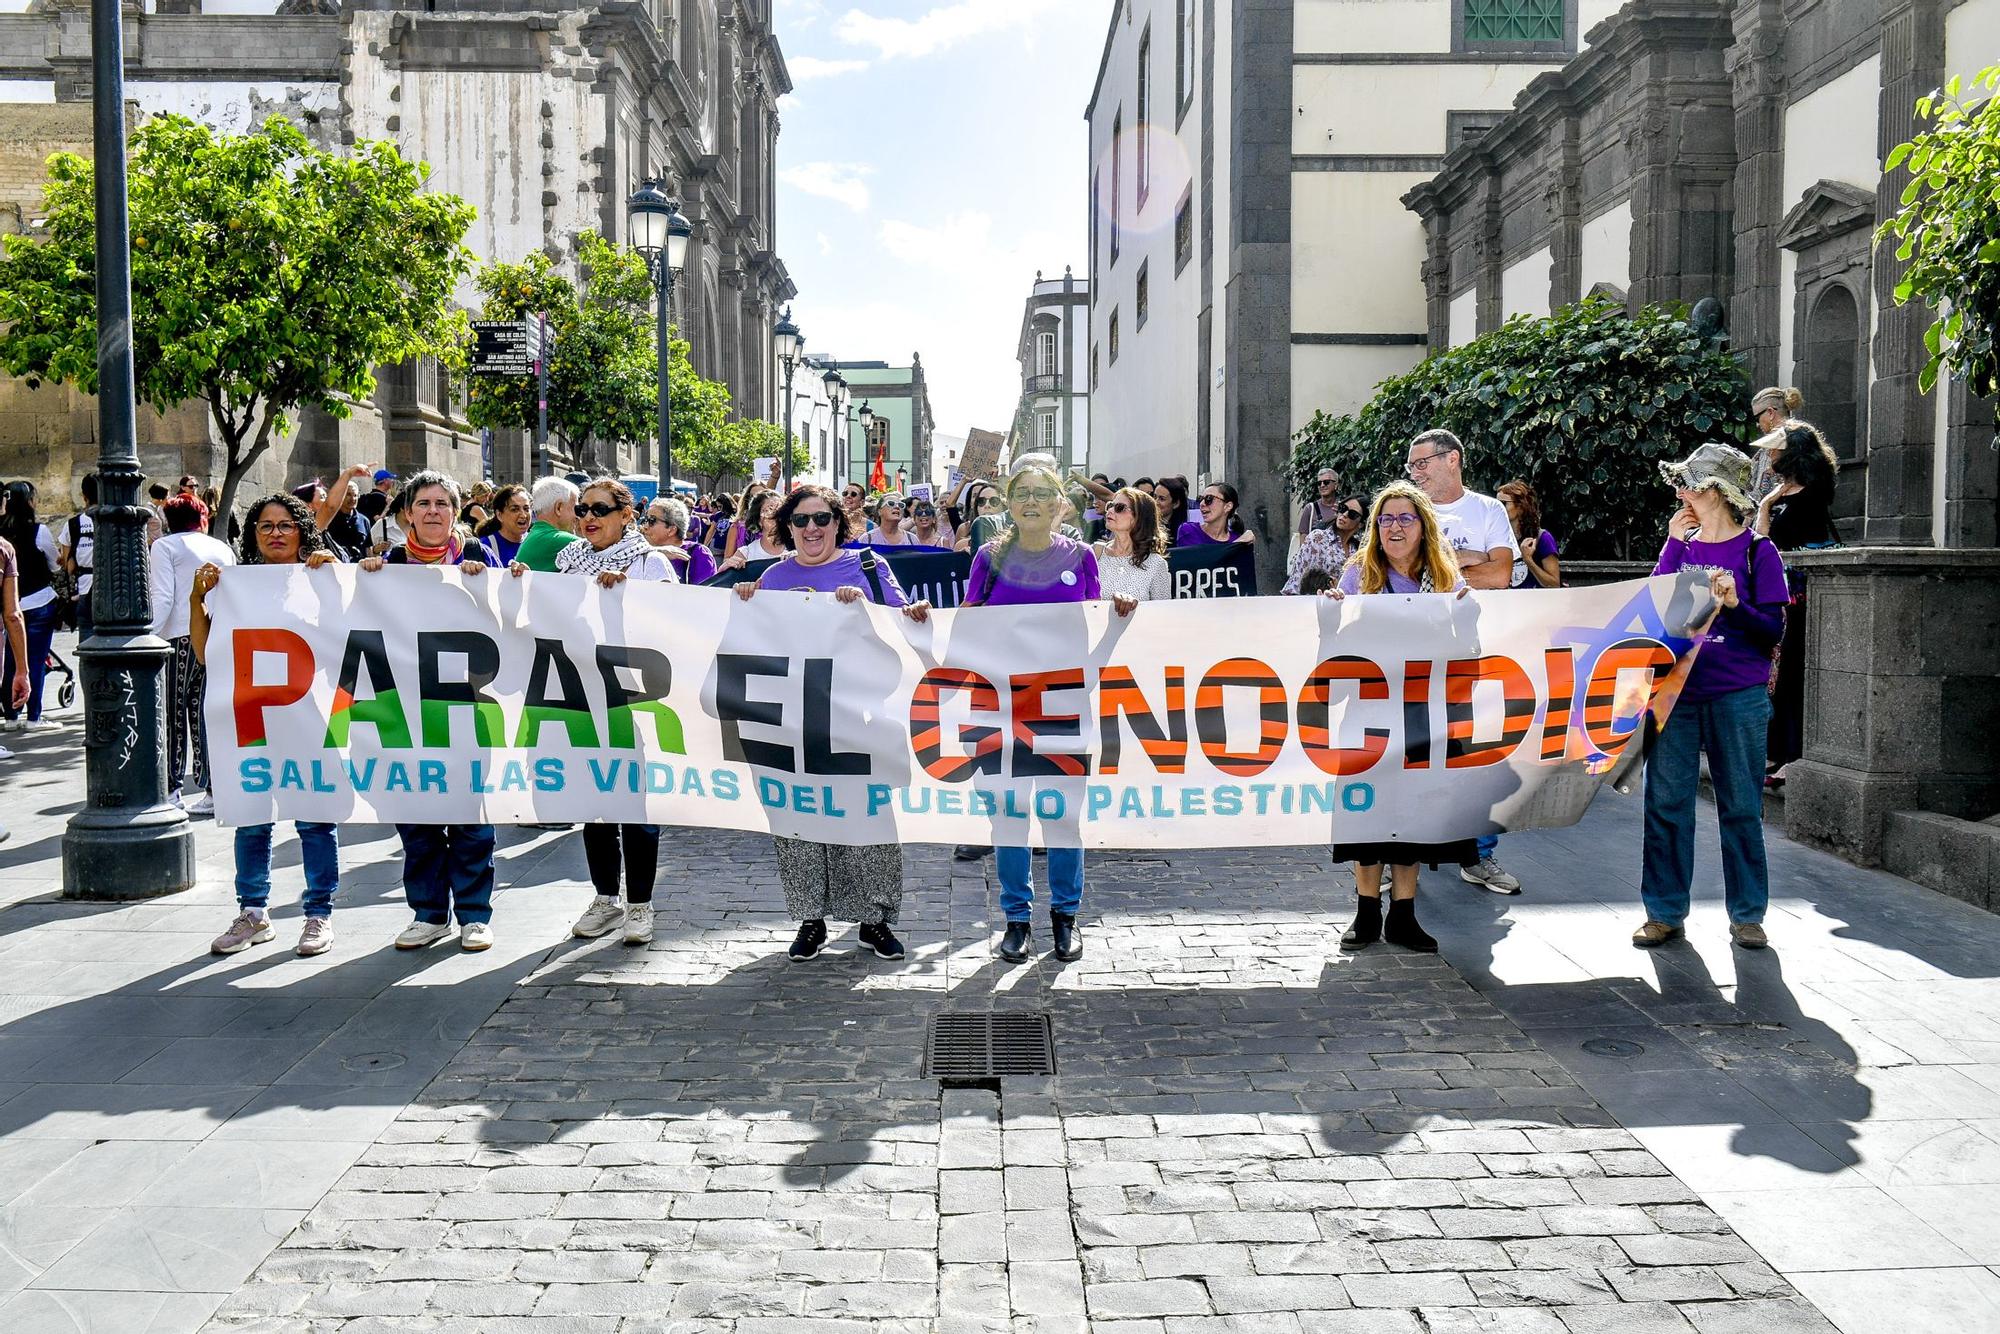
(1402, 928)
(1367, 926)
(807, 944)
(1014, 944)
(1068, 940)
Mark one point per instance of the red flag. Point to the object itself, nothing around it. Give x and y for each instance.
(878, 475)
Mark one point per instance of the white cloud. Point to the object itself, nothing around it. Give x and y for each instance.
(939, 29)
(825, 244)
(804, 69)
(842, 182)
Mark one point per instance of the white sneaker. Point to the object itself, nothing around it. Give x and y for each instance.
(1487, 873)
(200, 804)
(42, 725)
(13, 724)
(600, 917)
(6, 754)
(419, 934)
(475, 936)
(639, 924)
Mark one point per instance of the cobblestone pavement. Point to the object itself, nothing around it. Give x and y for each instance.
(1540, 1130)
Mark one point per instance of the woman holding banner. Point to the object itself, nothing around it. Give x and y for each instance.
(279, 530)
(1130, 563)
(447, 868)
(611, 552)
(1219, 522)
(1032, 563)
(1404, 551)
(665, 526)
(822, 880)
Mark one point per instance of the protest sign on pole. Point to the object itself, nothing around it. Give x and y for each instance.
(436, 696)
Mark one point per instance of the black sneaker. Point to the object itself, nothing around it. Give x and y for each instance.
(878, 937)
(807, 944)
(968, 852)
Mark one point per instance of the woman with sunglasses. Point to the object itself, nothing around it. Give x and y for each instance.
(988, 511)
(822, 880)
(1219, 523)
(280, 530)
(1326, 550)
(760, 512)
(665, 526)
(1130, 560)
(889, 530)
(1405, 551)
(930, 528)
(1032, 563)
(611, 552)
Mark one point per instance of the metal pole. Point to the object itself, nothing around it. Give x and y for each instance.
(128, 841)
(542, 403)
(665, 288)
(791, 365)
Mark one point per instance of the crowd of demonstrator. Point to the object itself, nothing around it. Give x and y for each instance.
(1036, 537)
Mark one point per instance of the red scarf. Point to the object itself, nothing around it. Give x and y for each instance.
(423, 555)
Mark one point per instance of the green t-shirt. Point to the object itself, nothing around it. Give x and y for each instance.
(540, 545)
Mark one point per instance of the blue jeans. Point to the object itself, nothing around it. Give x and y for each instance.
(1488, 844)
(1733, 731)
(41, 626)
(448, 867)
(320, 846)
(1017, 887)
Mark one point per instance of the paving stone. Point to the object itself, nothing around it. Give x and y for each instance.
(1543, 1287)
(1407, 1290)
(1157, 1297)
(1273, 1293)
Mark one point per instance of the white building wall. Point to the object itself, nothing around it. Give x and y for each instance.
(1606, 249)
(1464, 317)
(1377, 109)
(1830, 135)
(1524, 285)
(1971, 38)
(238, 108)
(813, 422)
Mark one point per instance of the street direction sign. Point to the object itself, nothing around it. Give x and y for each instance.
(505, 347)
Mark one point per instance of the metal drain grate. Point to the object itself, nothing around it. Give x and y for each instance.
(983, 1044)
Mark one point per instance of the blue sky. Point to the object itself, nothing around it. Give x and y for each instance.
(931, 160)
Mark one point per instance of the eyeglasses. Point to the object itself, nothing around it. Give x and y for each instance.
(1329, 481)
(925, 513)
(284, 528)
(816, 519)
(1388, 521)
(1206, 501)
(599, 510)
(1423, 461)
(850, 495)
(1118, 507)
(1037, 493)
(993, 503)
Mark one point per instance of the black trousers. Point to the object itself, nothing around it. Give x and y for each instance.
(640, 855)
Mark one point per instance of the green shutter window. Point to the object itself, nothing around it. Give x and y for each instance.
(1512, 21)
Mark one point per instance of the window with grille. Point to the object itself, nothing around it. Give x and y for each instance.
(1515, 22)
(1184, 231)
(1093, 365)
(1141, 300)
(1190, 13)
(1045, 352)
(1113, 339)
(1142, 127)
(1045, 431)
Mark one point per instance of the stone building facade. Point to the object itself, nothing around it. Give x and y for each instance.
(1052, 415)
(1732, 148)
(544, 114)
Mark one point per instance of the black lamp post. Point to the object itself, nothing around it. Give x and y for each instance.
(836, 398)
(660, 233)
(128, 841)
(867, 419)
(787, 340)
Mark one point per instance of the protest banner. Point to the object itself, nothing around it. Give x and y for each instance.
(1218, 570)
(436, 696)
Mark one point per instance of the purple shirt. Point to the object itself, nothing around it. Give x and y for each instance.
(1350, 582)
(696, 564)
(843, 571)
(1736, 653)
(1545, 547)
(1192, 534)
(1065, 572)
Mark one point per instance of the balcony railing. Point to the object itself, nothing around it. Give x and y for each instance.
(1045, 384)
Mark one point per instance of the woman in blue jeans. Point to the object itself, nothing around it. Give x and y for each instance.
(1725, 708)
(279, 531)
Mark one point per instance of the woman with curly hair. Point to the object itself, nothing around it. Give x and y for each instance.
(1404, 551)
(822, 880)
(278, 530)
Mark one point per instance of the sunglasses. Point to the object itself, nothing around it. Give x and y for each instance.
(993, 503)
(817, 519)
(653, 521)
(925, 513)
(850, 495)
(1353, 514)
(1206, 501)
(1387, 521)
(1329, 481)
(1118, 507)
(599, 510)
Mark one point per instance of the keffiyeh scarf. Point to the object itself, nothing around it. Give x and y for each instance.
(579, 557)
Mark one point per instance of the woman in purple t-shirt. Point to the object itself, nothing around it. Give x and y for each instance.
(1030, 563)
(1403, 550)
(857, 884)
(1725, 707)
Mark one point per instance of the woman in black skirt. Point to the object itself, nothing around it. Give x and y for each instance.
(1403, 550)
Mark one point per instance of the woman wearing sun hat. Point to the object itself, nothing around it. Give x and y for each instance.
(1725, 707)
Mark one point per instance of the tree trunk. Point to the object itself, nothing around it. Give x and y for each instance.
(241, 459)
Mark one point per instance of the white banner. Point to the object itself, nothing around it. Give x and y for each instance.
(432, 696)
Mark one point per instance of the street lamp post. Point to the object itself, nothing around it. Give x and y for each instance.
(836, 398)
(660, 233)
(128, 841)
(788, 341)
(867, 419)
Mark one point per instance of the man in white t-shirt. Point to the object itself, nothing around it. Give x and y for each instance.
(1483, 537)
